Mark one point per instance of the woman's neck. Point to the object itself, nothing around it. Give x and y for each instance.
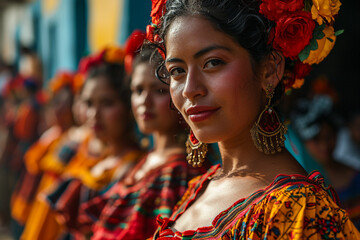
(165, 142)
(240, 154)
(119, 147)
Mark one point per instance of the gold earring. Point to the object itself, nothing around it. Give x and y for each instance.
(268, 131)
(196, 151)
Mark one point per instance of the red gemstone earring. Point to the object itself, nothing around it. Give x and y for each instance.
(196, 150)
(268, 131)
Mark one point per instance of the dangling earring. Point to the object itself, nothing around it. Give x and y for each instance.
(196, 151)
(268, 131)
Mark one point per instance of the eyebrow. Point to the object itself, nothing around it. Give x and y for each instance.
(200, 53)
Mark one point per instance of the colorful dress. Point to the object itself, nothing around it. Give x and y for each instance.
(25, 191)
(70, 194)
(291, 207)
(128, 210)
(61, 160)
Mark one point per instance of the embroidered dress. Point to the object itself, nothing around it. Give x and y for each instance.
(70, 194)
(42, 222)
(128, 210)
(25, 191)
(291, 207)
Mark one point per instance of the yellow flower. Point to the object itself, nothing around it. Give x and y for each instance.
(298, 83)
(114, 55)
(325, 9)
(324, 47)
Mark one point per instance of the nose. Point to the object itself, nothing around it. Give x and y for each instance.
(194, 87)
(146, 99)
(92, 113)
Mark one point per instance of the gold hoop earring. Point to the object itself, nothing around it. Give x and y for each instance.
(196, 151)
(268, 132)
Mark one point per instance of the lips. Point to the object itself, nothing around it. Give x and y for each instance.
(201, 113)
(146, 115)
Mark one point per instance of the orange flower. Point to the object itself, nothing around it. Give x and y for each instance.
(324, 47)
(325, 9)
(114, 55)
(298, 83)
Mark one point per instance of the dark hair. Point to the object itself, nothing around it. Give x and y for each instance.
(115, 75)
(240, 19)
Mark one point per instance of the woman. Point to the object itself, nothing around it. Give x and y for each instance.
(225, 61)
(317, 124)
(59, 118)
(103, 156)
(129, 209)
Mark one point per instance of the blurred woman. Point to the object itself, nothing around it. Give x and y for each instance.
(317, 124)
(128, 210)
(59, 118)
(102, 155)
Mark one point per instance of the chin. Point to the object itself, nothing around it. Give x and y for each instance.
(207, 136)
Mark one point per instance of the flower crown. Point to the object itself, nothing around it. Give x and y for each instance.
(303, 32)
(111, 54)
(60, 80)
(132, 47)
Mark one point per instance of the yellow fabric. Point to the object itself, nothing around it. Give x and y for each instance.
(98, 182)
(20, 207)
(37, 151)
(294, 213)
(42, 222)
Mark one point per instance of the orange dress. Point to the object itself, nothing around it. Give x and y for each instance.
(61, 160)
(23, 196)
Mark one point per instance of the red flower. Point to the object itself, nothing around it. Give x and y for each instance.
(132, 47)
(292, 33)
(301, 70)
(90, 61)
(158, 9)
(274, 9)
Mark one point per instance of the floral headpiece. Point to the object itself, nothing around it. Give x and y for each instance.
(132, 47)
(158, 10)
(303, 33)
(111, 54)
(108, 54)
(62, 80)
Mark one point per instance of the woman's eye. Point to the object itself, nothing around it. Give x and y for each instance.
(88, 103)
(137, 91)
(162, 91)
(213, 63)
(176, 72)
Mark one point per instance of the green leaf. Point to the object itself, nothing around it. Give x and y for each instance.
(304, 54)
(318, 31)
(313, 45)
(307, 6)
(339, 32)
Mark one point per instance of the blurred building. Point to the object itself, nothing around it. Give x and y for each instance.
(62, 31)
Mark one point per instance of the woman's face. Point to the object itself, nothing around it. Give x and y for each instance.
(212, 82)
(106, 114)
(150, 100)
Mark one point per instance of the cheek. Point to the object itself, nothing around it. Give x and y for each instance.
(114, 115)
(176, 90)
